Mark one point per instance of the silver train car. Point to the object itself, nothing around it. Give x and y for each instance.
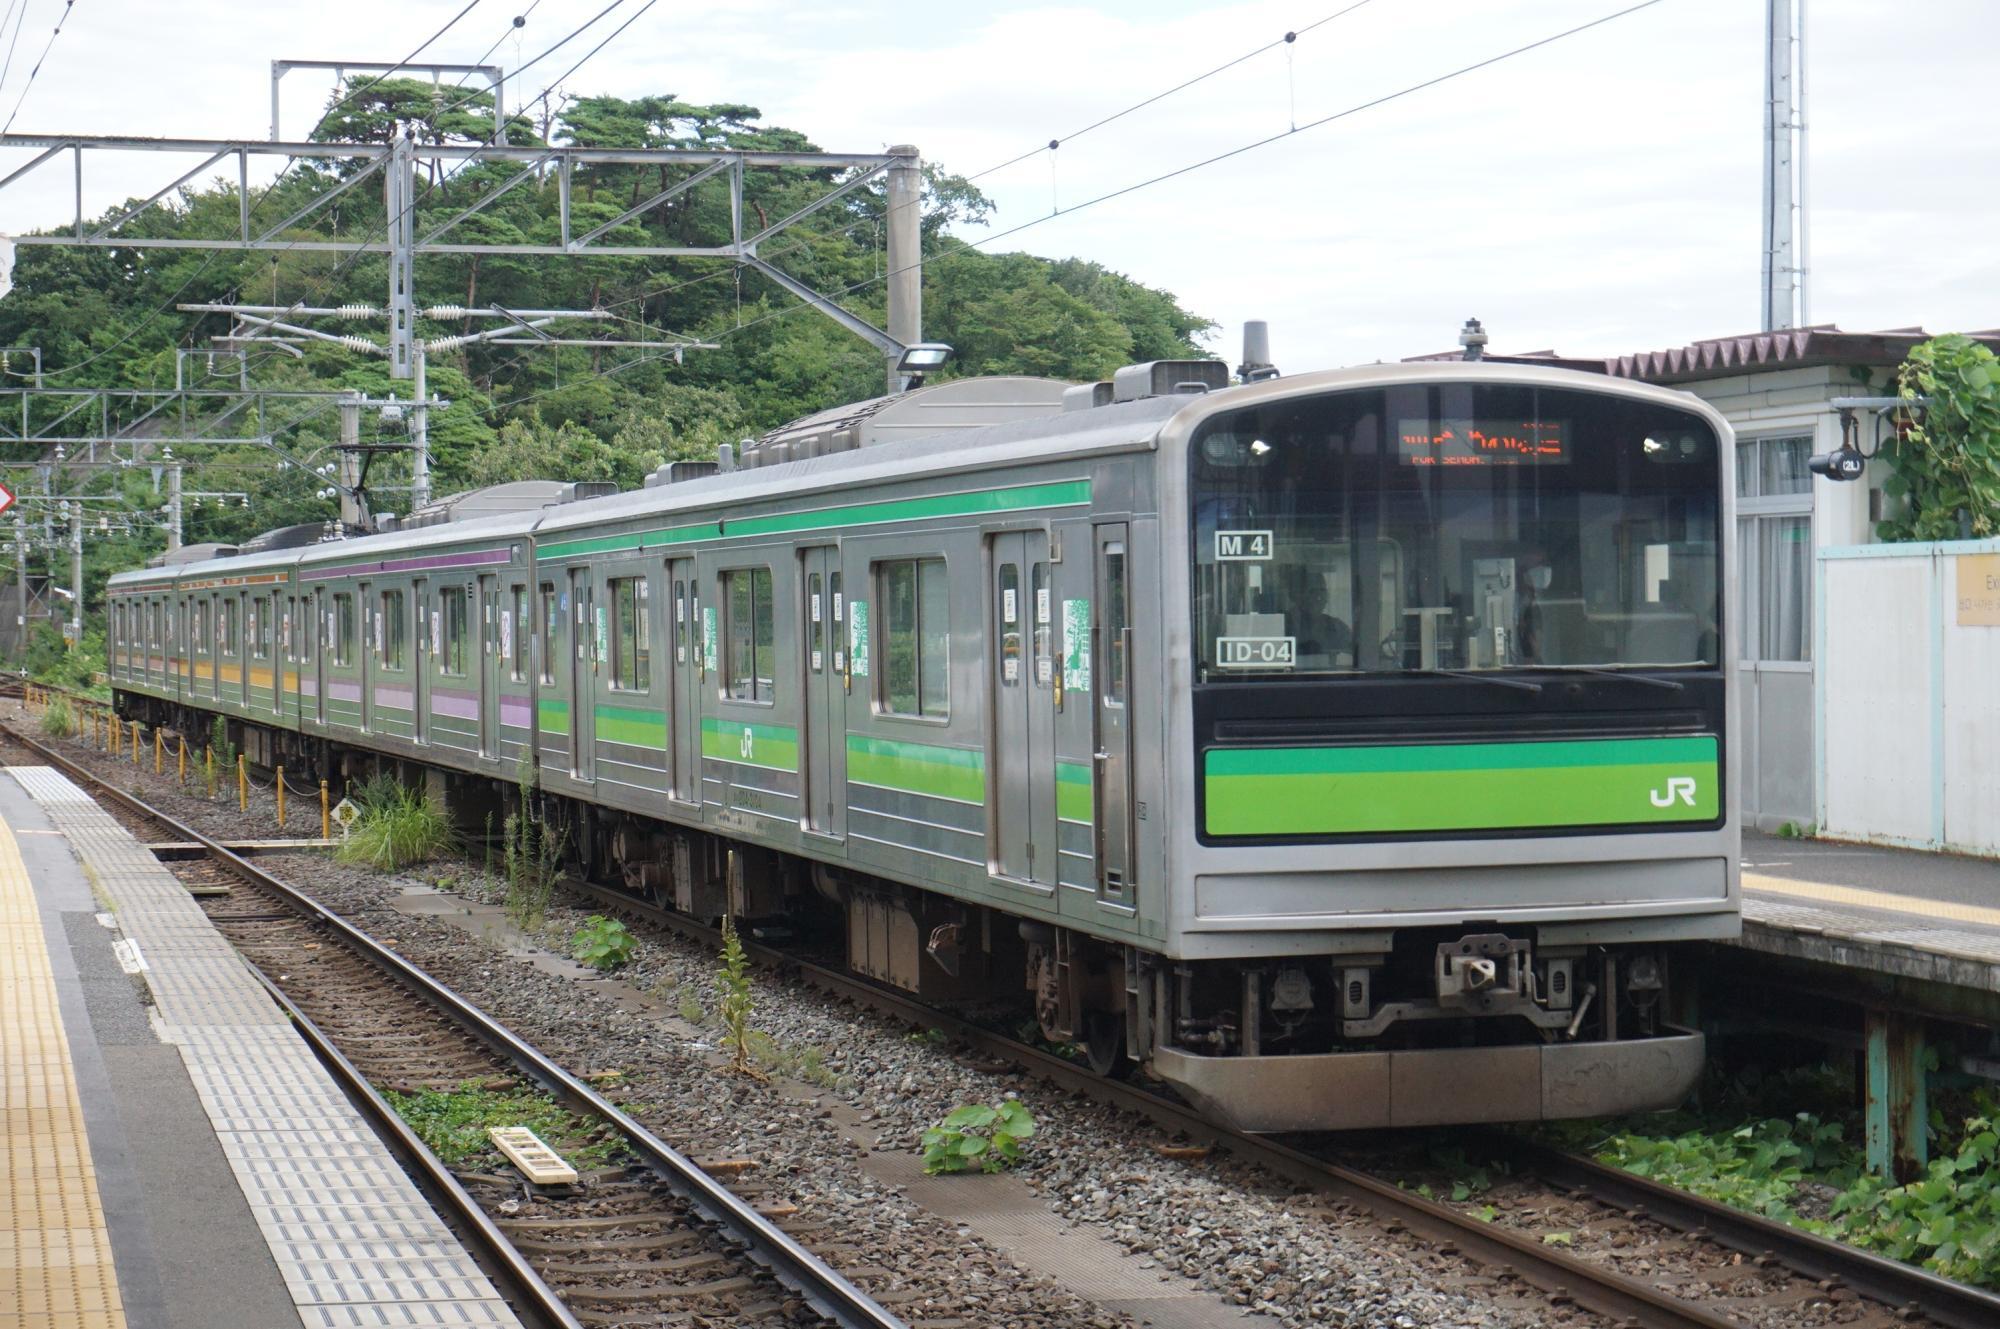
(1350, 749)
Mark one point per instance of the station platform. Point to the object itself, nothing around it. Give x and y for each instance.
(1898, 913)
(175, 1155)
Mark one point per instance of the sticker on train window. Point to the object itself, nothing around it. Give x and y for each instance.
(1041, 604)
(1007, 611)
(1256, 652)
(857, 637)
(1076, 645)
(1243, 546)
(506, 632)
(815, 607)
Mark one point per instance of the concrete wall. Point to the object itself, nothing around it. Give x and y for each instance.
(1907, 711)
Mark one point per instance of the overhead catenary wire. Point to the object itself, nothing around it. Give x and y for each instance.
(40, 60)
(1055, 143)
(8, 66)
(966, 246)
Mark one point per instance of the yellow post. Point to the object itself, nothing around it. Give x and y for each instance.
(208, 770)
(135, 744)
(242, 785)
(325, 814)
(184, 761)
(117, 736)
(159, 751)
(281, 798)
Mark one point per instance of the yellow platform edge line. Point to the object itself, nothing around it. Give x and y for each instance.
(57, 1213)
(1826, 893)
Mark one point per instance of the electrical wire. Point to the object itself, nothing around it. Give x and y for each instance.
(966, 246)
(1055, 143)
(62, 18)
(18, 25)
(255, 205)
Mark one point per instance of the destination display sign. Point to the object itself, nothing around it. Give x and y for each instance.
(1482, 442)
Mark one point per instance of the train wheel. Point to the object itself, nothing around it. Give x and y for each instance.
(1104, 1044)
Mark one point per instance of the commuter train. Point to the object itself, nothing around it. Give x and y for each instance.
(1350, 749)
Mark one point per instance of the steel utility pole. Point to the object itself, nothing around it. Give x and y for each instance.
(75, 515)
(905, 190)
(1784, 242)
(353, 512)
(21, 576)
(173, 506)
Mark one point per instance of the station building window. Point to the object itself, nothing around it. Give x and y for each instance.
(750, 649)
(1775, 547)
(916, 637)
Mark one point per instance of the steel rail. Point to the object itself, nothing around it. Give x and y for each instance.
(824, 1288)
(436, 1176)
(1523, 1255)
(1875, 1276)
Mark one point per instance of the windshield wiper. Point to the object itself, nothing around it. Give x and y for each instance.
(1498, 681)
(1669, 684)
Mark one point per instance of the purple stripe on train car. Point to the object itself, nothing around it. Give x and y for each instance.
(403, 699)
(478, 558)
(309, 687)
(516, 711)
(458, 705)
(339, 691)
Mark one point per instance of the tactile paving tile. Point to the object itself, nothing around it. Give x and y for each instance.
(55, 1255)
(356, 1243)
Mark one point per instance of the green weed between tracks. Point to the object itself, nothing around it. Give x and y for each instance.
(1810, 1171)
(58, 718)
(398, 826)
(454, 1124)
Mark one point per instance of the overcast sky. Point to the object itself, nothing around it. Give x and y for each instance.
(1598, 195)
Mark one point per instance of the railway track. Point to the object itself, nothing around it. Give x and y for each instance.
(1787, 1265)
(1780, 1265)
(646, 1239)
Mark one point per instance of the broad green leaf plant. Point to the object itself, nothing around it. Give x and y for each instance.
(1947, 467)
(978, 1136)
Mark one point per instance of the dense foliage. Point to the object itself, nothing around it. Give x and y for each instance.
(106, 316)
(1947, 467)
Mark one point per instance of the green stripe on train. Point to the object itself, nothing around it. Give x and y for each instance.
(918, 768)
(1061, 493)
(1073, 801)
(1460, 786)
(630, 725)
(773, 746)
(552, 716)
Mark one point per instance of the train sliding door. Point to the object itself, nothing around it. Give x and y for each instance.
(582, 676)
(1111, 644)
(684, 684)
(824, 767)
(1021, 816)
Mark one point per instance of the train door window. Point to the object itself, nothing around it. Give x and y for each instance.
(1010, 625)
(916, 637)
(517, 670)
(680, 621)
(551, 632)
(200, 624)
(631, 634)
(393, 630)
(815, 624)
(1044, 611)
(343, 629)
(749, 666)
(232, 630)
(1115, 625)
(451, 658)
(306, 630)
(839, 623)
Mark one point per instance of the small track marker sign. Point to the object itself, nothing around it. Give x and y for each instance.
(6, 498)
(345, 814)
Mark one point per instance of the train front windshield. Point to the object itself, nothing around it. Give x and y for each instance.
(1455, 527)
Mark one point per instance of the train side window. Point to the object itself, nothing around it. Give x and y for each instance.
(749, 667)
(343, 629)
(916, 637)
(551, 632)
(452, 659)
(1010, 625)
(394, 630)
(631, 634)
